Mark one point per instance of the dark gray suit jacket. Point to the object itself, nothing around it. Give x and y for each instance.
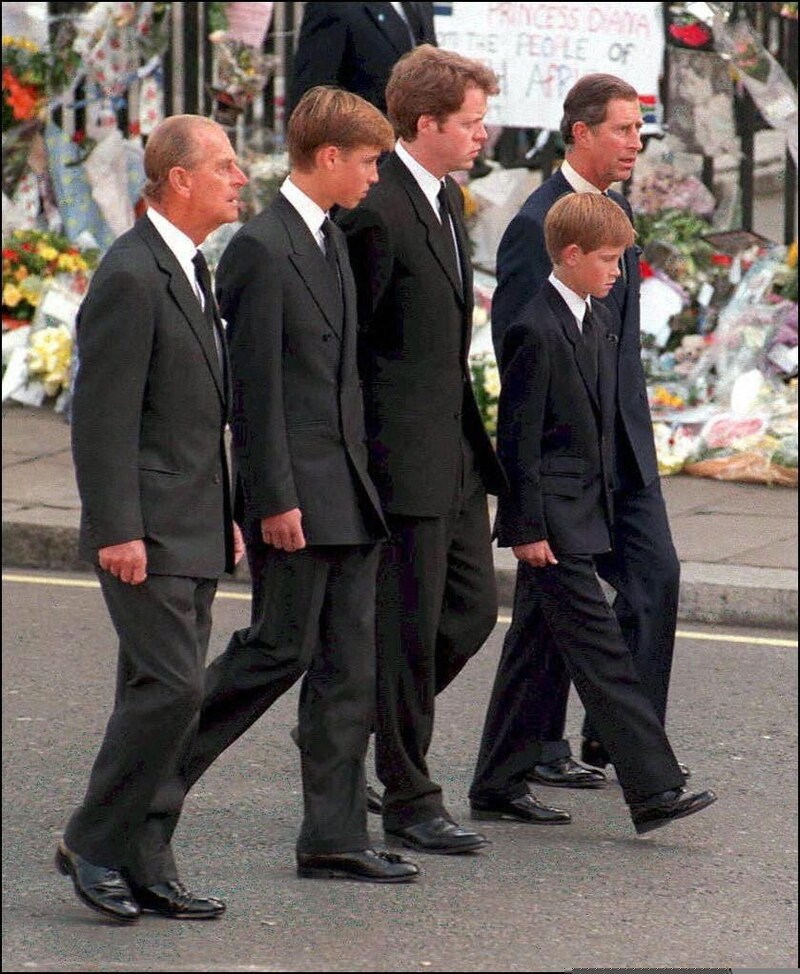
(555, 430)
(354, 46)
(298, 415)
(523, 267)
(415, 321)
(149, 413)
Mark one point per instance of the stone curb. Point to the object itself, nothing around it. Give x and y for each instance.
(727, 595)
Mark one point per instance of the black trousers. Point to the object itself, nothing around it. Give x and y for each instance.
(313, 616)
(436, 606)
(583, 628)
(163, 627)
(527, 710)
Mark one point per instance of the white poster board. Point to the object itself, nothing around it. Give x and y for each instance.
(539, 50)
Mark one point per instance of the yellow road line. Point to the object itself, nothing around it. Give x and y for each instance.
(245, 597)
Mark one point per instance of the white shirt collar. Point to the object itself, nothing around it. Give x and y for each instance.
(311, 214)
(182, 247)
(428, 183)
(575, 302)
(576, 181)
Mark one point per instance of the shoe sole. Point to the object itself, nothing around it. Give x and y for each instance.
(479, 815)
(305, 873)
(651, 826)
(397, 842)
(182, 916)
(64, 866)
(564, 784)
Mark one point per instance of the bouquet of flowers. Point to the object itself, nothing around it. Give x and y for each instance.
(31, 76)
(242, 69)
(32, 259)
(486, 386)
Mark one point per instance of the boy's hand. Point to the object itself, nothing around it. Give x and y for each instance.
(539, 554)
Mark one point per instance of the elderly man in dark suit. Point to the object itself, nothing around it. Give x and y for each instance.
(527, 711)
(148, 417)
(356, 45)
(430, 456)
(311, 516)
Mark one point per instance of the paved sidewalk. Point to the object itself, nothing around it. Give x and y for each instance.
(737, 542)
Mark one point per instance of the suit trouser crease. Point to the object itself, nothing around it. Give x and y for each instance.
(313, 614)
(584, 629)
(527, 711)
(436, 606)
(163, 626)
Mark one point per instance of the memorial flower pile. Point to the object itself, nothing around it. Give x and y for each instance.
(32, 259)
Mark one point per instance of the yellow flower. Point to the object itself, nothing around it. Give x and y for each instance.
(21, 42)
(11, 295)
(31, 290)
(49, 357)
(491, 381)
(21, 273)
(46, 252)
(791, 255)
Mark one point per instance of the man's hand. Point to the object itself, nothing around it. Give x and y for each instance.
(284, 531)
(126, 561)
(238, 544)
(539, 554)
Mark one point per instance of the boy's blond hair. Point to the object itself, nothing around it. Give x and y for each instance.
(590, 220)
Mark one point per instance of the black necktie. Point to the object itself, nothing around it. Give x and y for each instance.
(448, 227)
(204, 283)
(414, 20)
(329, 231)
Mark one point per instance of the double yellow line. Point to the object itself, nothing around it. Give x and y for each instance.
(713, 637)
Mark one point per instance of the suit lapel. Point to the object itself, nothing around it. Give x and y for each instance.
(310, 263)
(390, 25)
(185, 298)
(437, 242)
(582, 351)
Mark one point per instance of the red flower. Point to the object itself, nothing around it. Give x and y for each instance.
(23, 99)
(10, 255)
(692, 35)
(721, 260)
(645, 269)
(79, 136)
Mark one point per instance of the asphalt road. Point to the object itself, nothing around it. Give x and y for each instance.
(717, 890)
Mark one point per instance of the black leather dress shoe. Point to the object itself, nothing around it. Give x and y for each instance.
(566, 773)
(526, 808)
(374, 801)
(368, 866)
(173, 900)
(99, 887)
(669, 805)
(439, 836)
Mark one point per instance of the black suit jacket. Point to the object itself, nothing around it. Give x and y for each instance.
(415, 321)
(149, 412)
(298, 418)
(354, 46)
(555, 429)
(523, 267)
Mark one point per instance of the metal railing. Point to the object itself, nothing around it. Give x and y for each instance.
(188, 75)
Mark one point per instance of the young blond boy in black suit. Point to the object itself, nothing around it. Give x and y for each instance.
(555, 440)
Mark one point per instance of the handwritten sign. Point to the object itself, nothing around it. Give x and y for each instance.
(539, 50)
(249, 22)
